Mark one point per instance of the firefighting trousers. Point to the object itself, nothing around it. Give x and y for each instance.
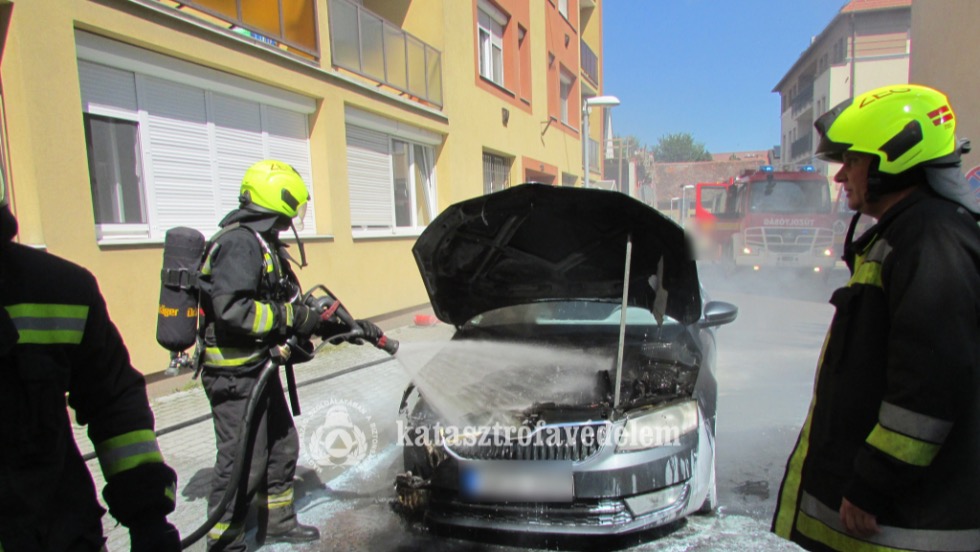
(271, 467)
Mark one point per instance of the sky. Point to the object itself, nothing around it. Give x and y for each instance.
(705, 67)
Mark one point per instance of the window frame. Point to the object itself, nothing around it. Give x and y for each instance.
(107, 229)
(414, 138)
(566, 85)
(490, 44)
(97, 53)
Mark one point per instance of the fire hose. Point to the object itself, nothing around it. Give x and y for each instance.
(286, 355)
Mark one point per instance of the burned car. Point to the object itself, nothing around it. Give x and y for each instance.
(578, 393)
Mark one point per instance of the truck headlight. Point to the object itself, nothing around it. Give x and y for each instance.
(660, 427)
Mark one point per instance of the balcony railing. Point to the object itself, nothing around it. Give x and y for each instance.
(802, 100)
(802, 146)
(590, 63)
(287, 24)
(366, 44)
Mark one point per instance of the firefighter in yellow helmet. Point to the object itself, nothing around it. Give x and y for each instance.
(56, 338)
(251, 302)
(887, 457)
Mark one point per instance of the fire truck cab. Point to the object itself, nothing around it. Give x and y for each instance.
(767, 218)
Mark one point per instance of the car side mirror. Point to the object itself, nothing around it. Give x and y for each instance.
(718, 313)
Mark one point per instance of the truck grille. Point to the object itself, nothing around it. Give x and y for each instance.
(797, 241)
(567, 442)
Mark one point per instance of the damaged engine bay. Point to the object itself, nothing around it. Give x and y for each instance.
(532, 399)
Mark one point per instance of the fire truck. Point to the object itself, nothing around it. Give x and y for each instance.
(765, 219)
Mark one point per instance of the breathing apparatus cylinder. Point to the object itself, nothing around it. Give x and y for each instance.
(183, 249)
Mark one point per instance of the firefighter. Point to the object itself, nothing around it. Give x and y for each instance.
(887, 457)
(56, 338)
(250, 298)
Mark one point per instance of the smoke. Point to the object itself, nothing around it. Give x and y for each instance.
(483, 382)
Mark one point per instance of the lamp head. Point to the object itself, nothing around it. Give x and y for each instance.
(602, 101)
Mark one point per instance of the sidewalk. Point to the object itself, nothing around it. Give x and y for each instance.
(186, 436)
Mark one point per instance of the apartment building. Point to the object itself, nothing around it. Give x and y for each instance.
(124, 118)
(866, 45)
(946, 47)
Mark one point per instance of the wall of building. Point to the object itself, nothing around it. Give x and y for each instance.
(946, 49)
(375, 276)
(855, 53)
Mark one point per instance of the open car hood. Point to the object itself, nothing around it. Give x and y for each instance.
(537, 242)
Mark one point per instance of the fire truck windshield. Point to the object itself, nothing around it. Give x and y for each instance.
(789, 196)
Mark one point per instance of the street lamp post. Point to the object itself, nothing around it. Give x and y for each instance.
(598, 101)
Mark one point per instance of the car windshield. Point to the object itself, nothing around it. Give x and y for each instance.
(789, 196)
(583, 312)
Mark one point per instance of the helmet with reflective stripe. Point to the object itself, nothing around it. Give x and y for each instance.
(903, 125)
(275, 187)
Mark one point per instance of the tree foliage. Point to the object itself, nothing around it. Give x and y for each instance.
(679, 147)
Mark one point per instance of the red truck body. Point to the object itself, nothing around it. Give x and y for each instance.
(767, 218)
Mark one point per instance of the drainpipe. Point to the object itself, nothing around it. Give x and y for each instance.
(853, 52)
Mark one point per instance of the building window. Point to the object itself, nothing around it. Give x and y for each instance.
(563, 8)
(391, 175)
(169, 141)
(283, 23)
(840, 51)
(565, 92)
(490, 31)
(115, 170)
(496, 173)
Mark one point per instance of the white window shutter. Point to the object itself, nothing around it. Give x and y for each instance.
(182, 191)
(287, 139)
(369, 176)
(238, 145)
(107, 91)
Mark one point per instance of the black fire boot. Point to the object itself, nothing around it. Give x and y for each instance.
(279, 524)
(299, 533)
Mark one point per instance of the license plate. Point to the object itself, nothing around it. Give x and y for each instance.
(541, 481)
(791, 259)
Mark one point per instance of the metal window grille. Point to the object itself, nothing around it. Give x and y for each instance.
(496, 173)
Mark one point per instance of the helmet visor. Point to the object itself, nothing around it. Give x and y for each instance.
(300, 215)
(827, 149)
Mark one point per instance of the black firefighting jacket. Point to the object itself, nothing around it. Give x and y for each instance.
(56, 338)
(248, 290)
(894, 425)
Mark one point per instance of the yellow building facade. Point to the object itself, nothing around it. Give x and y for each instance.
(124, 118)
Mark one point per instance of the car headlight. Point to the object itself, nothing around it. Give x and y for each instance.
(660, 427)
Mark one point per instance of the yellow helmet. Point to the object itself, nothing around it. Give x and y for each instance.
(903, 125)
(276, 187)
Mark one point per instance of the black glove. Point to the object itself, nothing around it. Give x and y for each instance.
(154, 535)
(372, 332)
(305, 321)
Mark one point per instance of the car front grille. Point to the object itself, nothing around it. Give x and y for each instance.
(566, 442)
(581, 513)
